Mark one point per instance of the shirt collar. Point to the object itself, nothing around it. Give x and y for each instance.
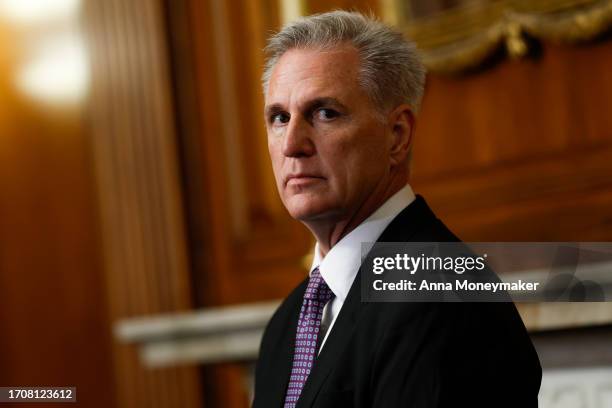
(339, 267)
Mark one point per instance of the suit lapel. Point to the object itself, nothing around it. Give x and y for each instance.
(339, 336)
(401, 229)
(278, 372)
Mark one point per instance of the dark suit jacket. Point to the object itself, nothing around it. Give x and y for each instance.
(405, 354)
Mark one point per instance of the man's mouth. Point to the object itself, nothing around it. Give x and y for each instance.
(302, 179)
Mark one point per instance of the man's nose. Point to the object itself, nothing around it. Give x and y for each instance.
(298, 138)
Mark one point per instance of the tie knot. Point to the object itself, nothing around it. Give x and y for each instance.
(317, 288)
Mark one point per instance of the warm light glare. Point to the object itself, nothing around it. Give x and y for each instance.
(36, 11)
(58, 73)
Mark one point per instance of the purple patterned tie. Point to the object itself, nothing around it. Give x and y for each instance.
(306, 340)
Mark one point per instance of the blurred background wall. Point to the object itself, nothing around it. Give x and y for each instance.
(134, 176)
(53, 316)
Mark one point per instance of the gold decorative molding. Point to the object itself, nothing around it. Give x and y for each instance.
(463, 37)
(292, 10)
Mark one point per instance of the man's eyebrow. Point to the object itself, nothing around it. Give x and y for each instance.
(309, 105)
(274, 108)
(324, 101)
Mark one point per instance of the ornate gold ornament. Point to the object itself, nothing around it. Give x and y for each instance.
(463, 36)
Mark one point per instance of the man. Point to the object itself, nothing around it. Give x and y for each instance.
(341, 94)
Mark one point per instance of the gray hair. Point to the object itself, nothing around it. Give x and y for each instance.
(391, 71)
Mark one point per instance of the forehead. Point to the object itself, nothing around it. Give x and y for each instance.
(313, 72)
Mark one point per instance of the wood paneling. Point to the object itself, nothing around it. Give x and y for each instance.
(521, 151)
(516, 111)
(364, 6)
(139, 189)
(54, 329)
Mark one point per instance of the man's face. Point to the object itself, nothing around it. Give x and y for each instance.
(329, 150)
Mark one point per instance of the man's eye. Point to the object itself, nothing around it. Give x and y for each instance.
(279, 118)
(326, 114)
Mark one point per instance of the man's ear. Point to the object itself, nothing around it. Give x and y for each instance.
(401, 122)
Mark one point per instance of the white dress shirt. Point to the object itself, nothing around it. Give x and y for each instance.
(341, 264)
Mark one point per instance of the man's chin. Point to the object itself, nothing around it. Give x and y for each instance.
(311, 214)
(310, 207)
